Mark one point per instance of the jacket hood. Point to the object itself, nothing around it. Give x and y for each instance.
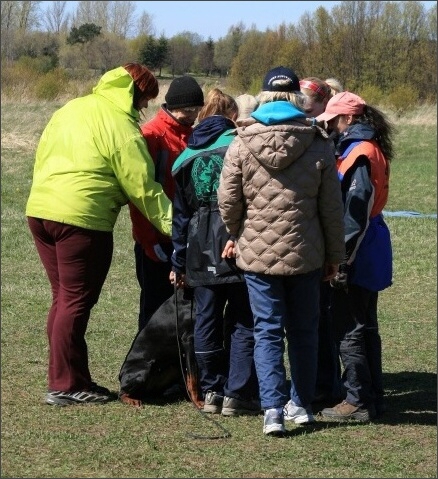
(208, 130)
(117, 86)
(277, 146)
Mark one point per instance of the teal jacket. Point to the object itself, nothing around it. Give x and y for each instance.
(199, 234)
(92, 159)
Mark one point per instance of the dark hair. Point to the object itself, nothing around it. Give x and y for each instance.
(383, 127)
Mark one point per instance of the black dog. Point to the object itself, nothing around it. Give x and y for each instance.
(160, 353)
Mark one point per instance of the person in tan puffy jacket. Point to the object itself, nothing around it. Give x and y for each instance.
(279, 196)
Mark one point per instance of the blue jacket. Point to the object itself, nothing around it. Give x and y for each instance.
(367, 237)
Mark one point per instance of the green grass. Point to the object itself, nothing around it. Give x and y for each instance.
(115, 440)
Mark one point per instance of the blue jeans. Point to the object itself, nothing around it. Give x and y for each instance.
(357, 332)
(285, 306)
(230, 373)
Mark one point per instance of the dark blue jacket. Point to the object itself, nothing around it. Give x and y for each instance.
(367, 237)
(198, 232)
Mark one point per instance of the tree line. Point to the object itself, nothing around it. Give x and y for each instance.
(382, 47)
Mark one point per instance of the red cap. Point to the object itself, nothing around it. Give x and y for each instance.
(344, 103)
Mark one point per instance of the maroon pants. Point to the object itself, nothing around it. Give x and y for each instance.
(77, 262)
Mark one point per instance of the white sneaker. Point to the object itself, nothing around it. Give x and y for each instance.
(213, 403)
(273, 422)
(299, 415)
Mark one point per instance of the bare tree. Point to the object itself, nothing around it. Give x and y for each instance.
(28, 15)
(145, 25)
(121, 18)
(17, 18)
(107, 52)
(85, 13)
(9, 13)
(8, 18)
(115, 17)
(56, 19)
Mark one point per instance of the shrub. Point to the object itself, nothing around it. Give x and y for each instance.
(371, 94)
(18, 80)
(51, 85)
(401, 99)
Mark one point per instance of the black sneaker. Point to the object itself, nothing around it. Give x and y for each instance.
(93, 396)
(237, 407)
(213, 403)
(95, 388)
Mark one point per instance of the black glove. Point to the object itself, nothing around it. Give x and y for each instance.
(340, 281)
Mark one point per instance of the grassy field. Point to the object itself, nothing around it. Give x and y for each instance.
(116, 441)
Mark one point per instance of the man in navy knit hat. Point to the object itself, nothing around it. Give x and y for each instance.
(166, 135)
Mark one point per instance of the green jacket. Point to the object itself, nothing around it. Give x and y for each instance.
(92, 159)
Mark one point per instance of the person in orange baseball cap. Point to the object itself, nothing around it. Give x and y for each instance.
(364, 151)
(344, 103)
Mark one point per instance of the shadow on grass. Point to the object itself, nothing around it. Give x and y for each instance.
(410, 398)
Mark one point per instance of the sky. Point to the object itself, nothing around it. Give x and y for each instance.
(214, 18)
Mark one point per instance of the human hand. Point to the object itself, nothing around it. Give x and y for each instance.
(229, 250)
(179, 279)
(340, 280)
(330, 271)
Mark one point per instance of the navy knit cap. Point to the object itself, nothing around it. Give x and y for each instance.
(281, 79)
(184, 92)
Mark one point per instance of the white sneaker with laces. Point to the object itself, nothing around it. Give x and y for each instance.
(298, 414)
(273, 422)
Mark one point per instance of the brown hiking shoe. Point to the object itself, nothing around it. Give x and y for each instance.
(346, 412)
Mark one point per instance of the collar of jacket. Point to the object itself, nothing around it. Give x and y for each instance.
(276, 112)
(208, 130)
(354, 133)
(166, 117)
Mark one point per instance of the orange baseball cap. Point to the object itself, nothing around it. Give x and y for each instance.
(344, 103)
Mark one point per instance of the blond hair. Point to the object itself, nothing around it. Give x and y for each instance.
(335, 86)
(295, 97)
(218, 103)
(316, 88)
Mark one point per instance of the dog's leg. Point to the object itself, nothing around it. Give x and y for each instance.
(193, 390)
(126, 399)
(192, 378)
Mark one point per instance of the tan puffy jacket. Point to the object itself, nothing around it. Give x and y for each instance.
(280, 196)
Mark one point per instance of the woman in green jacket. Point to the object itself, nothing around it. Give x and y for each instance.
(91, 160)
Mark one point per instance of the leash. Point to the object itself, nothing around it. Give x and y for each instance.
(226, 434)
